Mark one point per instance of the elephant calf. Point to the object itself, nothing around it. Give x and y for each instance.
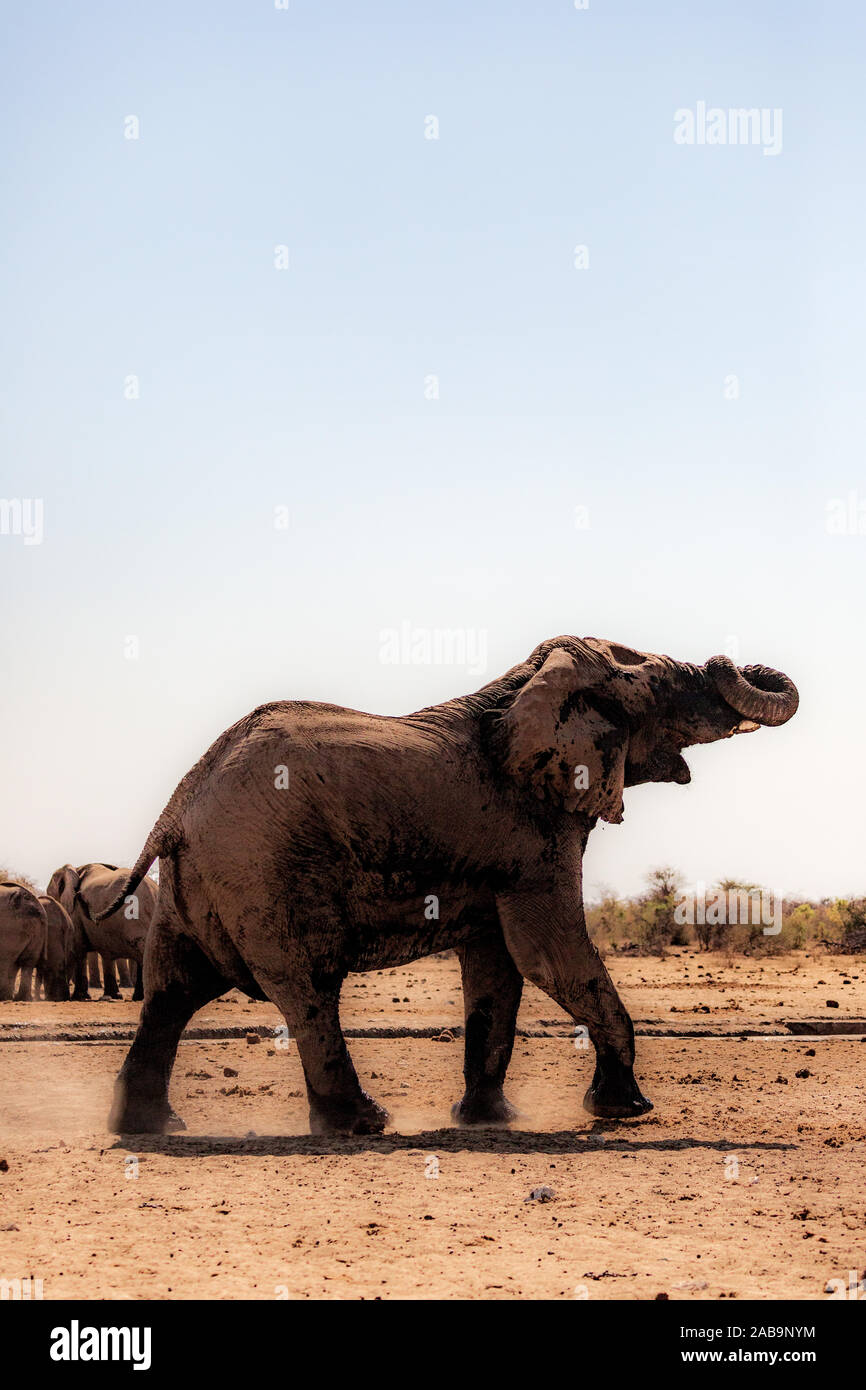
(311, 841)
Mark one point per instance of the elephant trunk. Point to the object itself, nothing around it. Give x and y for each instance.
(756, 692)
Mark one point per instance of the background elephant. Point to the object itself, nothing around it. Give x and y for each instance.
(52, 971)
(84, 892)
(462, 825)
(23, 928)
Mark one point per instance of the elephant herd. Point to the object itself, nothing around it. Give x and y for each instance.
(311, 841)
(50, 941)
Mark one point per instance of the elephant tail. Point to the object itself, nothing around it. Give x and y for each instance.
(162, 839)
(167, 834)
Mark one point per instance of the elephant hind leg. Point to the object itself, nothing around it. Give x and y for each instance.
(309, 1000)
(180, 980)
(492, 986)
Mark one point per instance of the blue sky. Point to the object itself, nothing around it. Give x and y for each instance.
(558, 388)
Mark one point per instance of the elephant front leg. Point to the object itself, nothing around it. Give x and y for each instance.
(492, 986)
(547, 938)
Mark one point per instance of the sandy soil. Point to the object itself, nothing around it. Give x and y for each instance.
(745, 1181)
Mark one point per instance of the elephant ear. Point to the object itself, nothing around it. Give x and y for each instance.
(558, 744)
(64, 885)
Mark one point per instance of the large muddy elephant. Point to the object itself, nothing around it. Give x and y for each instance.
(311, 841)
(23, 929)
(84, 892)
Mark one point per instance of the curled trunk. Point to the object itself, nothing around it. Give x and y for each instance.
(756, 692)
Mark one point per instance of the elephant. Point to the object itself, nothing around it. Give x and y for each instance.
(311, 840)
(52, 971)
(119, 934)
(23, 928)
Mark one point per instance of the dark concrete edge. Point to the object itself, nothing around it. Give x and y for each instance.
(811, 1028)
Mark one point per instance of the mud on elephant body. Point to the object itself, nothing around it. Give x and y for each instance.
(311, 841)
(85, 892)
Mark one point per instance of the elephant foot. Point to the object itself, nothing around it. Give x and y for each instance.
(138, 1115)
(609, 1101)
(614, 1094)
(144, 1121)
(613, 1109)
(361, 1116)
(80, 998)
(484, 1108)
(110, 999)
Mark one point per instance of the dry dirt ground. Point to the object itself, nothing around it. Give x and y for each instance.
(746, 1181)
